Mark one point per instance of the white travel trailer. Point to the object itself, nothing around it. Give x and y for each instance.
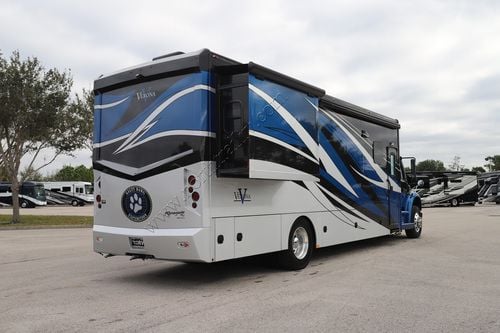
(75, 193)
(201, 158)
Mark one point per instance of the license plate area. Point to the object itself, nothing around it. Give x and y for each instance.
(136, 242)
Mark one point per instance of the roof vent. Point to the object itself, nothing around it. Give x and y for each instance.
(168, 55)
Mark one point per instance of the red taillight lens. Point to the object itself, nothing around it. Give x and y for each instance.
(194, 205)
(195, 196)
(191, 180)
(98, 198)
(190, 189)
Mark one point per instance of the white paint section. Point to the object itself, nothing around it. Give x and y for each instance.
(294, 123)
(224, 227)
(158, 110)
(146, 231)
(281, 143)
(382, 175)
(110, 105)
(270, 170)
(332, 169)
(135, 171)
(260, 234)
(105, 143)
(170, 133)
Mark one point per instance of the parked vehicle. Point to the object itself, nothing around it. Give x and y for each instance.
(31, 194)
(489, 187)
(200, 158)
(448, 188)
(69, 192)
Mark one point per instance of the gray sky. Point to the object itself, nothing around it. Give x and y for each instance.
(434, 65)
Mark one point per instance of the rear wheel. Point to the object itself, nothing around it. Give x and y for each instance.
(417, 220)
(300, 246)
(74, 203)
(454, 202)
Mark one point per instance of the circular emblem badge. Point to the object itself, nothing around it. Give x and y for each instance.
(136, 203)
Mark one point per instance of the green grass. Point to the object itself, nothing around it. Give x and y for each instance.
(44, 221)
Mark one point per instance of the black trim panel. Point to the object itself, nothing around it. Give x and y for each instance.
(269, 151)
(148, 153)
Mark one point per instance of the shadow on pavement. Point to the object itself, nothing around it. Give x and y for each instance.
(192, 275)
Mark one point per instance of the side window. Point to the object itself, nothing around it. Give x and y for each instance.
(379, 153)
(232, 117)
(392, 164)
(232, 137)
(66, 189)
(392, 167)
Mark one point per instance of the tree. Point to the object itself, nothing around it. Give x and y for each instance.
(3, 173)
(455, 164)
(493, 162)
(478, 169)
(430, 165)
(80, 173)
(37, 115)
(31, 174)
(85, 111)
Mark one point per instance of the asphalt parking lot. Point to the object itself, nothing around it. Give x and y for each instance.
(448, 280)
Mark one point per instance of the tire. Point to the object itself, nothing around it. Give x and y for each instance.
(300, 246)
(454, 202)
(417, 219)
(74, 203)
(24, 204)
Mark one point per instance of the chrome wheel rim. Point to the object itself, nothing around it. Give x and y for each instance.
(417, 219)
(300, 243)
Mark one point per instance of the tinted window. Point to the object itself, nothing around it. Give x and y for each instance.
(232, 152)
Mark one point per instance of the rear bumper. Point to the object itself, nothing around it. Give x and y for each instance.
(190, 244)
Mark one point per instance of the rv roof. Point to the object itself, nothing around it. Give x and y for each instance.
(178, 62)
(343, 107)
(204, 59)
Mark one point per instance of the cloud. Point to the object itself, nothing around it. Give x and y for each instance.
(431, 64)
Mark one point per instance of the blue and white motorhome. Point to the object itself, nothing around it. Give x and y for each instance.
(200, 158)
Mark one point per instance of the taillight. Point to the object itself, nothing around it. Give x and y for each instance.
(98, 198)
(192, 193)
